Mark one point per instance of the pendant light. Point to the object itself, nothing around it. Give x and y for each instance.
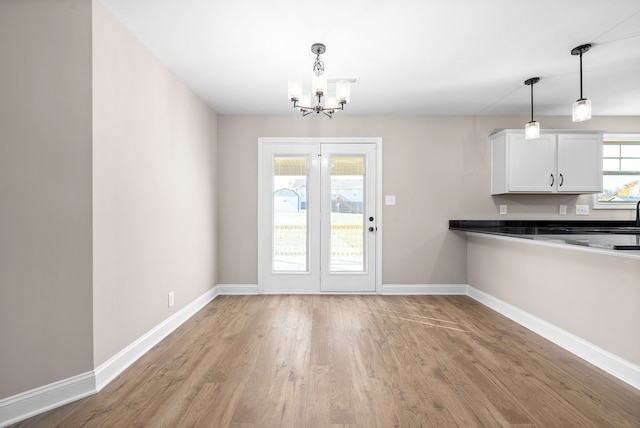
(532, 128)
(582, 107)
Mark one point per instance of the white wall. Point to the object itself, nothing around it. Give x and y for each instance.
(45, 192)
(154, 189)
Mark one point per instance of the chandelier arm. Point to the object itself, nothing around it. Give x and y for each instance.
(302, 107)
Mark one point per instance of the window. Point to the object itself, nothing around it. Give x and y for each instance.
(621, 172)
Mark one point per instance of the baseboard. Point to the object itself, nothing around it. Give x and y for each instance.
(237, 289)
(30, 403)
(115, 365)
(45, 398)
(423, 289)
(386, 289)
(605, 360)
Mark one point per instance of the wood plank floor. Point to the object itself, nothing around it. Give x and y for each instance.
(353, 361)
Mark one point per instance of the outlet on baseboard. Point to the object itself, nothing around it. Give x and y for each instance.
(503, 209)
(582, 209)
(171, 299)
(563, 210)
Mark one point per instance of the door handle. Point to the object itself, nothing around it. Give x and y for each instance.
(371, 229)
(553, 180)
(370, 218)
(561, 180)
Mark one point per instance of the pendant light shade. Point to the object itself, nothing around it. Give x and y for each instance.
(581, 110)
(319, 84)
(343, 91)
(532, 128)
(295, 90)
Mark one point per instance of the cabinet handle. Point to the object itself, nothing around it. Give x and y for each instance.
(553, 180)
(561, 180)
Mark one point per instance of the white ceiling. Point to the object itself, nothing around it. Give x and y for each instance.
(423, 57)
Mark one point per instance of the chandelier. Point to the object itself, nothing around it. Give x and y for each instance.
(332, 102)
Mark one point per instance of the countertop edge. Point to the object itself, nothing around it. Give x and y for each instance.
(468, 224)
(615, 236)
(630, 254)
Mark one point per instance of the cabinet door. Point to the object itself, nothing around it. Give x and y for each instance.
(579, 163)
(532, 164)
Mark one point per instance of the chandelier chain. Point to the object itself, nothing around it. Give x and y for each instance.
(318, 66)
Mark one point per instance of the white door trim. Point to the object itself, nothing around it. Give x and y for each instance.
(263, 227)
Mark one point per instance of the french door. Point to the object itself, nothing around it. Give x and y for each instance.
(317, 216)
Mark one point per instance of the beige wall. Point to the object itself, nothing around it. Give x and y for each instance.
(107, 190)
(45, 192)
(154, 187)
(593, 296)
(438, 168)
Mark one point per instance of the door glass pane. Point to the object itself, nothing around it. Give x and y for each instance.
(347, 218)
(290, 222)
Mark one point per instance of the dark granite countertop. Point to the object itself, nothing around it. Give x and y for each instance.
(612, 235)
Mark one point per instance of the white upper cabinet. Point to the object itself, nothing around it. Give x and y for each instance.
(557, 162)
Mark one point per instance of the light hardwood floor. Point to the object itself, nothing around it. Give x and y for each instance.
(360, 361)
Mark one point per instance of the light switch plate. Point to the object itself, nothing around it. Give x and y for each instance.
(390, 199)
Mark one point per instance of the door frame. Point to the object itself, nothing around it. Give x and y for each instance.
(263, 225)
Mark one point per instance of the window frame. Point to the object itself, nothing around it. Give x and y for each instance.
(631, 205)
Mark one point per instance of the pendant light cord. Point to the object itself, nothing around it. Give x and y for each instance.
(532, 82)
(580, 75)
(531, 102)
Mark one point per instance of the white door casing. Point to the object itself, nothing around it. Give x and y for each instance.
(318, 230)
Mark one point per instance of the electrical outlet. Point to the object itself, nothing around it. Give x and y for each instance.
(171, 299)
(503, 209)
(563, 210)
(582, 209)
